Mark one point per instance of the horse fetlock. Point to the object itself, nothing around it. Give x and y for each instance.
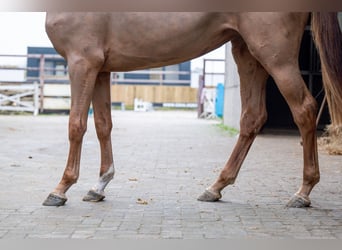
(311, 178)
(225, 181)
(69, 179)
(104, 180)
(109, 175)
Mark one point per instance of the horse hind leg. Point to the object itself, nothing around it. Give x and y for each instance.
(304, 108)
(279, 56)
(103, 123)
(253, 115)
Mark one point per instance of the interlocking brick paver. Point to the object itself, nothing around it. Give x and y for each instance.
(166, 159)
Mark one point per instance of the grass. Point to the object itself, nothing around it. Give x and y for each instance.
(230, 130)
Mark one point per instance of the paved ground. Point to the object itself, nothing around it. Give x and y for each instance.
(165, 159)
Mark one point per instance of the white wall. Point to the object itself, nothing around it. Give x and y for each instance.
(232, 101)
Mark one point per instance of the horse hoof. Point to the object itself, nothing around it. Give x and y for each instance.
(209, 196)
(298, 201)
(54, 200)
(93, 196)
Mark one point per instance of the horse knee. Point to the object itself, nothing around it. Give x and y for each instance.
(103, 128)
(77, 129)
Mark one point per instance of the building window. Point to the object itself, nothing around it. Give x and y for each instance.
(49, 68)
(60, 69)
(172, 76)
(156, 75)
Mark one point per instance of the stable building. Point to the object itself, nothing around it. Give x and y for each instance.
(165, 86)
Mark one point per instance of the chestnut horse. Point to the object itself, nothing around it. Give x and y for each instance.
(263, 44)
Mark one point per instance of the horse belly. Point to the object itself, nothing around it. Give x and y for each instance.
(131, 41)
(146, 40)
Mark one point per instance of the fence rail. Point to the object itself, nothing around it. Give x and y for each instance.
(23, 97)
(47, 91)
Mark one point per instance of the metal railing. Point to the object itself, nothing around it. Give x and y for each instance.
(151, 77)
(156, 77)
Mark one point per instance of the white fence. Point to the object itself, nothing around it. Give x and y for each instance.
(52, 91)
(23, 97)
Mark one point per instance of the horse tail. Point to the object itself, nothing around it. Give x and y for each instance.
(328, 39)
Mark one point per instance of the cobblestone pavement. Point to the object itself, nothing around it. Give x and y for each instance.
(163, 161)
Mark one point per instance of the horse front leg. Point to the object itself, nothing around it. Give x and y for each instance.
(82, 81)
(103, 123)
(253, 115)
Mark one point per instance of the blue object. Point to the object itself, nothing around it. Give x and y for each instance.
(219, 100)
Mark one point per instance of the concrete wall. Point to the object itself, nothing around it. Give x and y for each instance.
(232, 101)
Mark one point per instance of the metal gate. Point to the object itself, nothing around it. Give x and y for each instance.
(21, 97)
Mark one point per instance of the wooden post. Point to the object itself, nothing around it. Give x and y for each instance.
(41, 82)
(36, 99)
